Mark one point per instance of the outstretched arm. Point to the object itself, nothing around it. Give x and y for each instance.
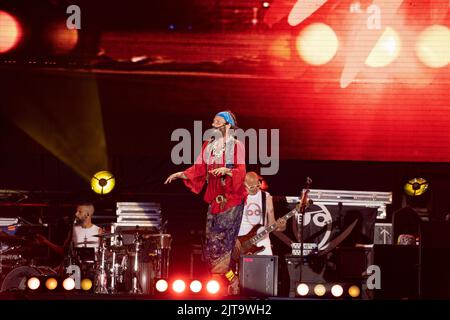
(175, 176)
(54, 247)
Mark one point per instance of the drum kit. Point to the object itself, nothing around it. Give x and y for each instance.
(132, 267)
(18, 255)
(115, 266)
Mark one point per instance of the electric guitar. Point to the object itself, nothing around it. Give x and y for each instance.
(249, 240)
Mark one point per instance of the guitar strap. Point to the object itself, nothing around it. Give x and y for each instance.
(264, 204)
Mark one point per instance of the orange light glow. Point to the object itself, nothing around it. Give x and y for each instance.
(61, 39)
(10, 32)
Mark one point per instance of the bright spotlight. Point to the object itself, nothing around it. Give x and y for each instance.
(103, 182)
(51, 283)
(320, 290)
(302, 289)
(195, 286)
(86, 284)
(266, 4)
(416, 187)
(337, 290)
(212, 286)
(433, 46)
(33, 283)
(10, 32)
(354, 291)
(385, 50)
(161, 285)
(317, 44)
(68, 284)
(178, 286)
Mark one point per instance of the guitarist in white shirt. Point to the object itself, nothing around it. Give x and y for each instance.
(254, 213)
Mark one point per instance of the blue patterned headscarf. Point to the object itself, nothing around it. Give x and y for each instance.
(227, 116)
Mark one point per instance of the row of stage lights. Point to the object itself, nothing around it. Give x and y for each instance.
(56, 37)
(54, 283)
(179, 286)
(162, 286)
(317, 44)
(325, 290)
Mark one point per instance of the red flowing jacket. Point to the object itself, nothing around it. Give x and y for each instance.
(233, 189)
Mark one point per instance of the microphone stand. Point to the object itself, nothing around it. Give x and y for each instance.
(301, 212)
(300, 238)
(20, 219)
(69, 254)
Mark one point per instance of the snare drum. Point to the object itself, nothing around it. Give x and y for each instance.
(85, 258)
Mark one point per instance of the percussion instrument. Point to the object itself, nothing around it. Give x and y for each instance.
(16, 278)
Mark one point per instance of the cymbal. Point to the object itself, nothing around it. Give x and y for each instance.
(18, 250)
(118, 249)
(156, 235)
(138, 231)
(15, 250)
(23, 225)
(86, 242)
(106, 235)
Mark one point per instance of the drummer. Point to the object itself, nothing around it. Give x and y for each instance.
(84, 233)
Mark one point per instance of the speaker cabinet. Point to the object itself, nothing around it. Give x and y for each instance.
(352, 263)
(301, 270)
(435, 260)
(399, 267)
(258, 275)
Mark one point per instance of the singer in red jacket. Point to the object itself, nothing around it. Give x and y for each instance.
(221, 165)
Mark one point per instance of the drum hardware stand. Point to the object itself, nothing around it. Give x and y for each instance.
(113, 274)
(102, 286)
(136, 286)
(114, 271)
(69, 254)
(1, 259)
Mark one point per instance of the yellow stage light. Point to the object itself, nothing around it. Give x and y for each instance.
(51, 283)
(416, 187)
(103, 182)
(320, 290)
(86, 284)
(354, 291)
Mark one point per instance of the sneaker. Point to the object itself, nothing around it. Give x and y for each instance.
(233, 287)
